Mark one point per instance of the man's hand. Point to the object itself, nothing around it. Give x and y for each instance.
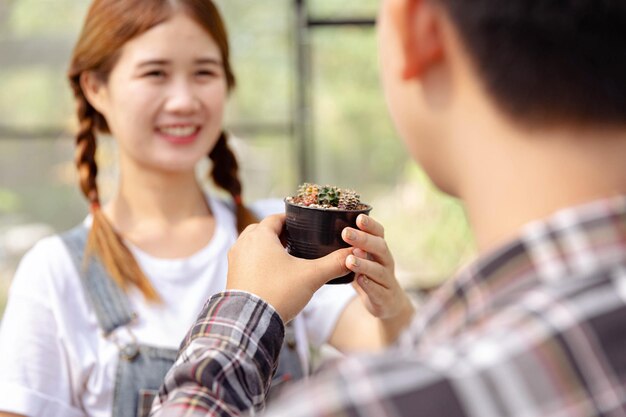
(258, 263)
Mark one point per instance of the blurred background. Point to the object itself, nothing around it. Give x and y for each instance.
(308, 107)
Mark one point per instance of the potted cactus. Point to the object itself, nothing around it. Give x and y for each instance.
(316, 216)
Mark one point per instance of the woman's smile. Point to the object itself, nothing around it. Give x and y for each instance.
(179, 134)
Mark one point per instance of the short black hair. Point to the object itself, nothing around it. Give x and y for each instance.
(548, 60)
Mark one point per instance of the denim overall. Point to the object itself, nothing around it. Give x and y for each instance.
(141, 368)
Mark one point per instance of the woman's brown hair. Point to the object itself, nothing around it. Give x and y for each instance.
(108, 26)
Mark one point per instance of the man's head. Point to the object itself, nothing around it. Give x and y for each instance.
(538, 63)
(548, 60)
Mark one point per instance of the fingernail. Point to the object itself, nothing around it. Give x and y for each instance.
(350, 235)
(364, 220)
(354, 260)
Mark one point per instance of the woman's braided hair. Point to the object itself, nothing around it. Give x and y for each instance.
(225, 174)
(108, 26)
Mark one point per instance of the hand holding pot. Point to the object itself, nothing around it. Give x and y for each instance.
(373, 265)
(258, 263)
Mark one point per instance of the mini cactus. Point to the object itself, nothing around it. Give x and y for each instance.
(349, 200)
(327, 196)
(308, 193)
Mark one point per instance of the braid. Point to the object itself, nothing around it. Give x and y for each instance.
(103, 240)
(225, 167)
(225, 174)
(85, 156)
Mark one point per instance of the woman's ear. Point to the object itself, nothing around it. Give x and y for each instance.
(420, 24)
(95, 91)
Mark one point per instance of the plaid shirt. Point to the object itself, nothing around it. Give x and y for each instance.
(537, 328)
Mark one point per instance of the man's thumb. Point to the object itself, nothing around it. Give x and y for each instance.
(331, 266)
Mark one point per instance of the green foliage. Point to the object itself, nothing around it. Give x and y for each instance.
(344, 8)
(261, 45)
(427, 231)
(45, 17)
(354, 138)
(35, 97)
(9, 201)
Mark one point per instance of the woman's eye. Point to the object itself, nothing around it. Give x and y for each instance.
(206, 73)
(155, 74)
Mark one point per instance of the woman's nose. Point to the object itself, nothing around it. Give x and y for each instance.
(182, 98)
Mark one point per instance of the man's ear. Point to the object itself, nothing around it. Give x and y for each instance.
(420, 24)
(94, 89)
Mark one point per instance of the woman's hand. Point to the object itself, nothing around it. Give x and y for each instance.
(376, 283)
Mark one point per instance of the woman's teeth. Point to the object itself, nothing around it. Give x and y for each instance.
(178, 131)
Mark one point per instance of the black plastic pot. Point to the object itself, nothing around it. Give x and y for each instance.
(315, 232)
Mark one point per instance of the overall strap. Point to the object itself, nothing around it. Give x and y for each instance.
(107, 298)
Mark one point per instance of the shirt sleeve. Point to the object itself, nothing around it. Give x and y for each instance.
(226, 363)
(34, 379)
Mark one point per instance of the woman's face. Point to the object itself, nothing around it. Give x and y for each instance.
(164, 99)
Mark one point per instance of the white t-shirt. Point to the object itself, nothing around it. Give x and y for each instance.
(54, 359)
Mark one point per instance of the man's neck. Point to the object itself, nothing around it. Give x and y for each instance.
(510, 177)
